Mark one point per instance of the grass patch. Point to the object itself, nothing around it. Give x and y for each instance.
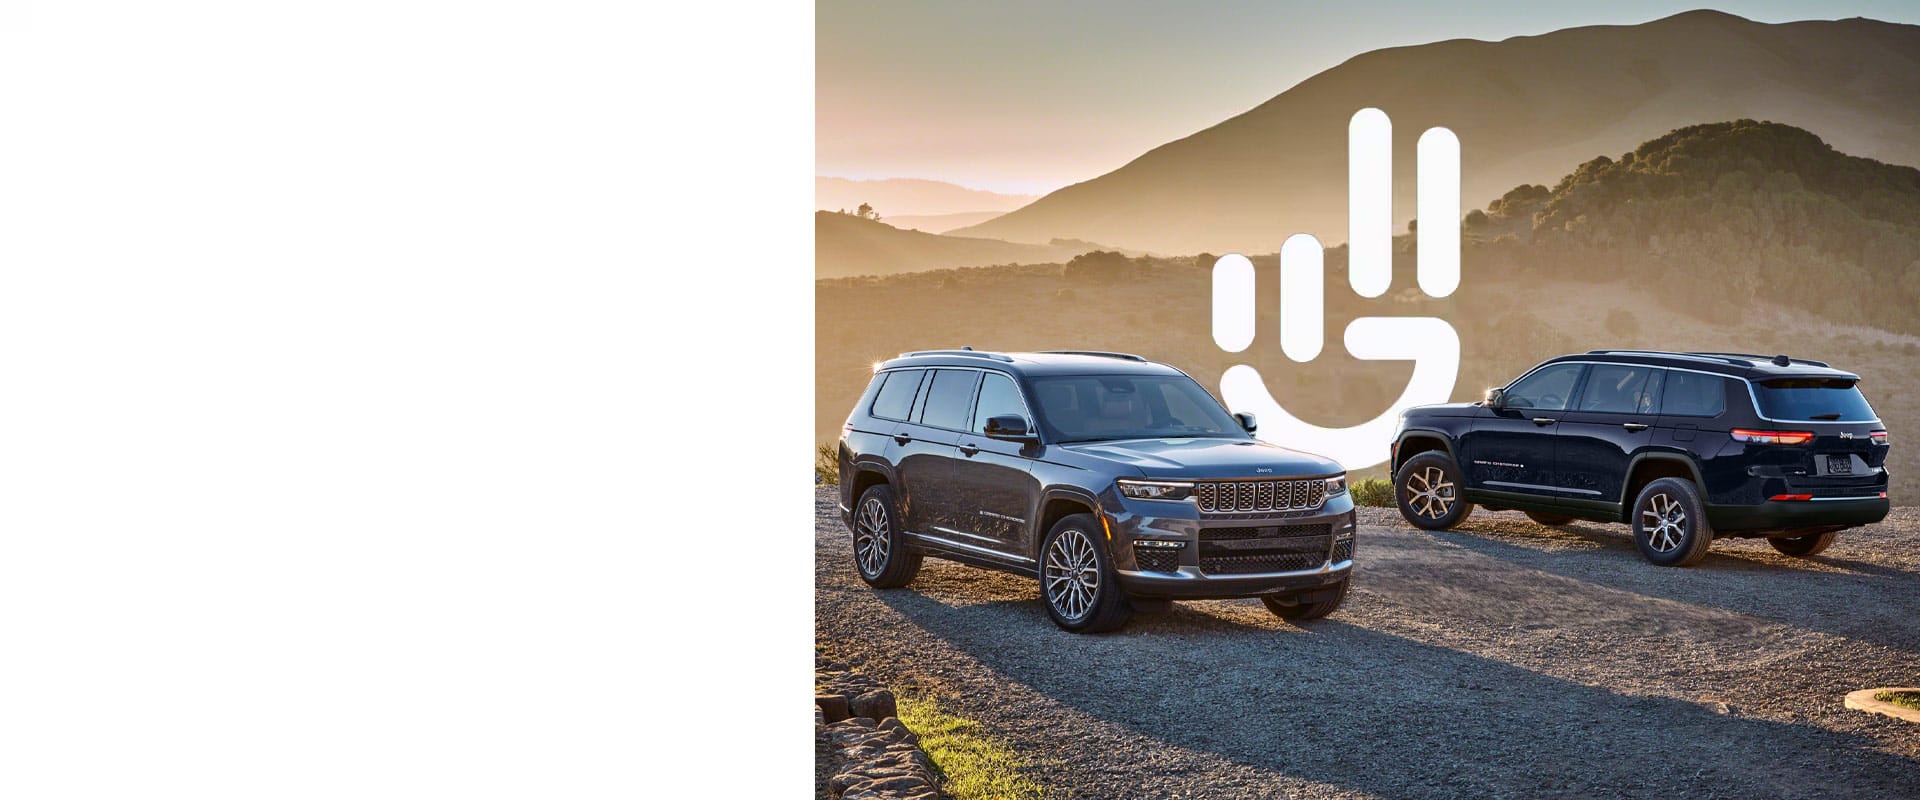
(826, 465)
(1906, 699)
(1375, 492)
(972, 766)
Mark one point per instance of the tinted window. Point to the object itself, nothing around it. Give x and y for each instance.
(998, 397)
(1086, 408)
(1650, 396)
(1614, 388)
(950, 398)
(1546, 389)
(1812, 399)
(896, 395)
(1693, 394)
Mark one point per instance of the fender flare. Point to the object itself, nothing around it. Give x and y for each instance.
(1446, 443)
(1660, 455)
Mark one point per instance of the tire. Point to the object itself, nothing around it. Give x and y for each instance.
(1553, 520)
(1682, 534)
(1301, 612)
(1427, 490)
(880, 551)
(1077, 583)
(1804, 546)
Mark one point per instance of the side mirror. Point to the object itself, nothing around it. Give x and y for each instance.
(1496, 399)
(1247, 421)
(1011, 427)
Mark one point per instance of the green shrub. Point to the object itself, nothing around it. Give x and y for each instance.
(1375, 492)
(826, 465)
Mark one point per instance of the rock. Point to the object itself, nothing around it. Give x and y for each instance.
(833, 707)
(877, 704)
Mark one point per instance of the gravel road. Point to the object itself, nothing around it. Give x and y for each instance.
(1501, 659)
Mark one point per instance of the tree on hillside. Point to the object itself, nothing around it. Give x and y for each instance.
(866, 212)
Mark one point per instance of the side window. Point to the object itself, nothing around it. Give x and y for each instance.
(1650, 396)
(1614, 388)
(1546, 389)
(896, 395)
(1693, 394)
(998, 396)
(949, 399)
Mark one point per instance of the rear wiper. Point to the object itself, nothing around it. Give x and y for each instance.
(1825, 416)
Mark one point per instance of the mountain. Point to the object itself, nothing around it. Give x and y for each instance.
(845, 245)
(910, 196)
(1524, 108)
(1734, 236)
(940, 223)
(1722, 214)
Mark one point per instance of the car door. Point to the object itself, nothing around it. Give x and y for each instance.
(993, 489)
(1612, 420)
(1510, 449)
(927, 449)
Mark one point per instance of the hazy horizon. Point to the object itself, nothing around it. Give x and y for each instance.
(1008, 99)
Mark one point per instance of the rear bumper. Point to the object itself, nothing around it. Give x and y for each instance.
(1799, 514)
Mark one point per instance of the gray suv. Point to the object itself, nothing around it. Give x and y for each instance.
(1119, 484)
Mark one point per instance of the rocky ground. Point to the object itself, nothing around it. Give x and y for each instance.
(861, 749)
(1502, 659)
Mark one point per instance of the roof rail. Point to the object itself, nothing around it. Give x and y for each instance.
(1720, 357)
(1099, 353)
(1775, 359)
(965, 351)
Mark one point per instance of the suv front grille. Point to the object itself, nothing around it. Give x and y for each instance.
(1269, 548)
(1289, 494)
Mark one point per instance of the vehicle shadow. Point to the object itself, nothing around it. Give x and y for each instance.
(1340, 704)
(1841, 597)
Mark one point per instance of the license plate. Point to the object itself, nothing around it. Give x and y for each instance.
(1839, 465)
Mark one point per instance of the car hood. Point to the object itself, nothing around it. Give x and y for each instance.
(1208, 458)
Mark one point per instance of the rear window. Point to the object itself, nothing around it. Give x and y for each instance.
(949, 399)
(1812, 400)
(1693, 394)
(896, 395)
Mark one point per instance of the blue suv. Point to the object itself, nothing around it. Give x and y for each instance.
(1684, 447)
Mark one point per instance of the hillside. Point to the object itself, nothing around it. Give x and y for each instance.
(1524, 108)
(845, 244)
(940, 223)
(1724, 214)
(1741, 236)
(909, 196)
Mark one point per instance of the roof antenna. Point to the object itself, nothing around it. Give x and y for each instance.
(970, 347)
(1782, 360)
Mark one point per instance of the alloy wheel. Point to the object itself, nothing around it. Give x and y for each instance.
(871, 542)
(1072, 573)
(1429, 492)
(1665, 522)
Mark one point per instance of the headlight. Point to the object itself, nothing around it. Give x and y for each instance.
(1154, 490)
(1337, 486)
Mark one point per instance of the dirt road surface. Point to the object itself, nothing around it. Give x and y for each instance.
(1502, 659)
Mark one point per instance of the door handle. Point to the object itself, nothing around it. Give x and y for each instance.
(1543, 421)
(902, 438)
(969, 449)
(1636, 427)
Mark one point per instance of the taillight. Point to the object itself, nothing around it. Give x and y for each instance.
(1772, 437)
(1878, 437)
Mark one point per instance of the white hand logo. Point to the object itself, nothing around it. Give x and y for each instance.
(1429, 342)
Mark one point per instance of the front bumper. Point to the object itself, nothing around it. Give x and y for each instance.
(1818, 512)
(1157, 523)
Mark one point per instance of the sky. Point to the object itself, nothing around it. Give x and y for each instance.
(1029, 97)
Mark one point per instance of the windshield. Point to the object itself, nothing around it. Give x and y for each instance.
(1089, 408)
(1813, 400)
